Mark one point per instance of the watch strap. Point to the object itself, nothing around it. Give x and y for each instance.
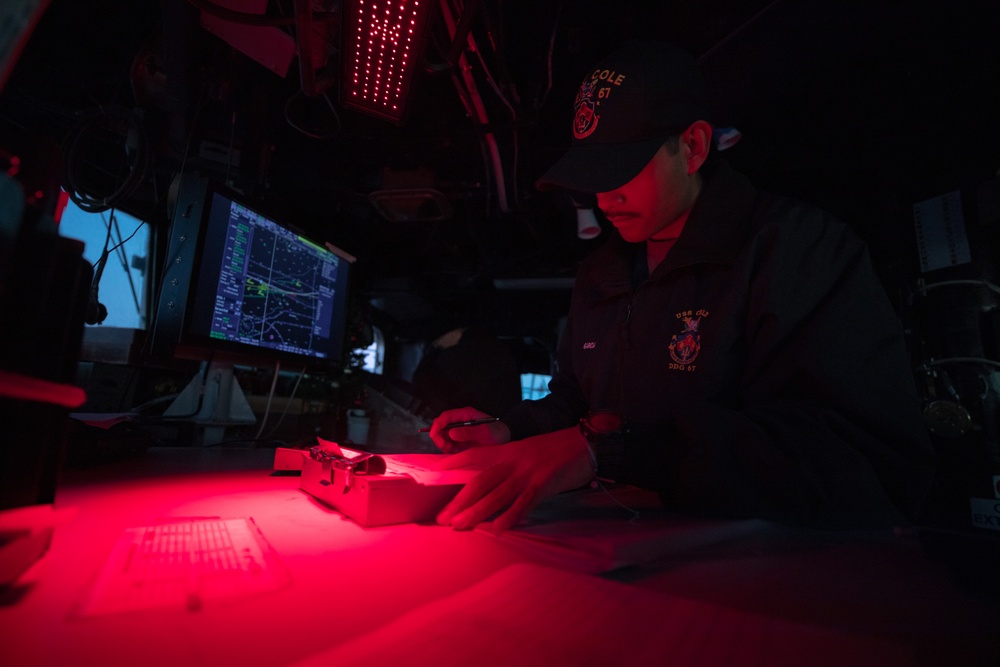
(607, 446)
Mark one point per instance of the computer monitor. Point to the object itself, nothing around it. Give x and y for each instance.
(262, 291)
(244, 287)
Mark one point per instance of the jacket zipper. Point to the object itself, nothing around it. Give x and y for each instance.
(622, 352)
(628, 319)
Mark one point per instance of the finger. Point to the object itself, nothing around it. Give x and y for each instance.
(446, 444)
(439, 432)
(468, 437)
(472, 492)
(519, 509)
(440, 439)
(494, 501)
(462, 444)
(456, 415)
(463, 434)
(483, 435)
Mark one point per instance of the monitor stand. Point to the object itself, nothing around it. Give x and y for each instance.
(213, 404)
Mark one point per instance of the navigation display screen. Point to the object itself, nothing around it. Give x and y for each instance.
(261, 285)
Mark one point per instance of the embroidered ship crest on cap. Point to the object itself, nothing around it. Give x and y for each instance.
(586, 118)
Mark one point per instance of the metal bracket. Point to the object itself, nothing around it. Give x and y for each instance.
(364, 464)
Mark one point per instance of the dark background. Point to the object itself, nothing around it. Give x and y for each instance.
(862, 107)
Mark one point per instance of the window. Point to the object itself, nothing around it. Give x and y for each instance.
(122, 286)
(534, 385)
(374, 354)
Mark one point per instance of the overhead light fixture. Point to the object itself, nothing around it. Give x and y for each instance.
(411, 205)
(383, 44)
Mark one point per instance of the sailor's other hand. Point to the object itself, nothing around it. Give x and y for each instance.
(517, 476)
(451, 440)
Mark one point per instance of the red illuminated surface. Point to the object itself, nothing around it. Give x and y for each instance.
(428, 595)
(23, 387)
(384, 43)
(344, 580)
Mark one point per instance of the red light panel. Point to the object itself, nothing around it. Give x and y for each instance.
(384, 42)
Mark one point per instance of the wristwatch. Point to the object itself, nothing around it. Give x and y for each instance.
(603, 430)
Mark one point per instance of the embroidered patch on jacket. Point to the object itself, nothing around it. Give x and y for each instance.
(590, 345)
(685, 346)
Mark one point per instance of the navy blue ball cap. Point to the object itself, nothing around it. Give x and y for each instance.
(626, 108)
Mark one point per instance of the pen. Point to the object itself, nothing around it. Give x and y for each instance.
(474, 422)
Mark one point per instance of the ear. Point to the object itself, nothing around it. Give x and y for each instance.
(697, 142)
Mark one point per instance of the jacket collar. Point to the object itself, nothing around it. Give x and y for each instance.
(719, 223)
(715, 232)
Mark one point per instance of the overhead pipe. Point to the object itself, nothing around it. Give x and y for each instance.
(312, 85)
(478, 110)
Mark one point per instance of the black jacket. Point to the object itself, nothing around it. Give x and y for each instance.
(761, 369)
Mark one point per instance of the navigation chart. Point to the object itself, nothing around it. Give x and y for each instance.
(276, 289)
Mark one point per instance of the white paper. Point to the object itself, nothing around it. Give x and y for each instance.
(423, 468)
(184, 564)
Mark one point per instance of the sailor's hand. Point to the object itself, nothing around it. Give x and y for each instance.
(451, 440)
(517, 476)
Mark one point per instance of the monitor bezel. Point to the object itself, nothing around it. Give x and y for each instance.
(194, 344)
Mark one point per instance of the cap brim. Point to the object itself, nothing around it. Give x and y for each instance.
(600, 167)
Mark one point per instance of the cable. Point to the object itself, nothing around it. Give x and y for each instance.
(284, 412)
(949, 283)
(229, 156)
(270, 397)
(103, 259)
(739, 30)
(123, 258)
(548, 59)
(333, 108)
(137, 153)
(963, 360)
(126, 240)
(474, 47)
(96, 312)
(480, 115)
(306, 131)
(597, 483)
